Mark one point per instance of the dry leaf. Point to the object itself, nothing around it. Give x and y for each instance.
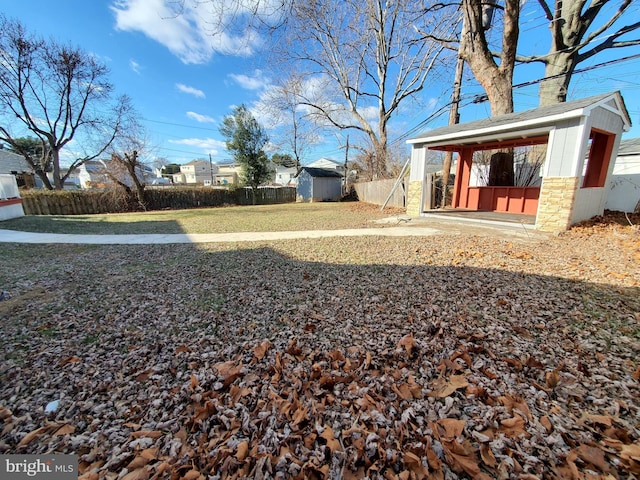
(511, 402)
(68, 360)
(414, 464)
(139, 474)
(487, 455)
(513, 427)
(444, 387)
(332, 442)
(138, 462)
(552, 379)
(31, 436)
(261, 349)
(193, 383)
(242, 450)
(66, 429)
(147, 433)
(594, 456)
(546, 423)
(408, 343)
(192, 475)
(451, 427)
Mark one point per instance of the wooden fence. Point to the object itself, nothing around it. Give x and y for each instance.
(85, 202)
(377, 191)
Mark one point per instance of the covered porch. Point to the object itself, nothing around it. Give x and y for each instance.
(569, 153)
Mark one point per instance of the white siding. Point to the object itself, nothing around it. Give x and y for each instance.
(568, 147)
(589, 203)
(624, 184)
(418, 162)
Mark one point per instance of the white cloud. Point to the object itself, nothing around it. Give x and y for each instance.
(208, 145)
(135, 66)
(257, 81)
(192, 31)
(190, 90)
(200, 118)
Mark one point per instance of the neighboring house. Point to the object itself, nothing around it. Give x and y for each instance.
(228, 174)
(286, 176)
(196, 172)
(319, 185)
(624, 185)
(13, 164)
(92, 174)
(581, 138)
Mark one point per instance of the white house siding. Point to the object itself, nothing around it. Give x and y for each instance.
(624, 184)
(286, 175)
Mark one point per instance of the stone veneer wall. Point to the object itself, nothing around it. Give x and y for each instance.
(555, 207)
(414, 199)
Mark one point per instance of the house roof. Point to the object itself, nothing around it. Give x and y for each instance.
(629, 146)
(321, 172)
(325, 162)
(526, 124)
(12, 162)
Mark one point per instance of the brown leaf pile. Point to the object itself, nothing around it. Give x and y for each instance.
(414, 358)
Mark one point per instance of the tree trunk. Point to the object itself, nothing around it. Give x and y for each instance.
(559, 68)
(57, 184)
(497, 80)
(501, 170)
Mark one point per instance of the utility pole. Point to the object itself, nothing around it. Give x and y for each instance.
(346, 171)
(211, 169)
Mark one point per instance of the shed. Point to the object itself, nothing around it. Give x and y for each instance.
(319, 185)
(581, 139)
(624, 186)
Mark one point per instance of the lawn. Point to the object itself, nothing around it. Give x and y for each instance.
(450, 356)
(261, 218)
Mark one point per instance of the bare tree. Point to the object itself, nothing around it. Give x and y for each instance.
(126, 167)
(285, 105)
(579, 30)
(57, 93)
(367, 56)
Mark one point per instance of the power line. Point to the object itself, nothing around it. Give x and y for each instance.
(180, 125)
(482, 97)
(579, 70)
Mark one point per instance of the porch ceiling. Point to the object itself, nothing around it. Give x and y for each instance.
(493, 142)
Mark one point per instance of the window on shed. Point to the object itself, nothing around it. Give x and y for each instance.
(601, 146)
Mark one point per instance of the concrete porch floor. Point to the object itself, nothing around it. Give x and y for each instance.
(477, 216)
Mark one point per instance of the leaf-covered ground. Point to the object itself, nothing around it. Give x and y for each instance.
(452, 356)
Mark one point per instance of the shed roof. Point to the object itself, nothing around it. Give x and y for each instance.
(629, 146)
(12, 162)
(321, 172)
(526, 124)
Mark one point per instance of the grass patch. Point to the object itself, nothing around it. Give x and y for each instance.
(259, 218)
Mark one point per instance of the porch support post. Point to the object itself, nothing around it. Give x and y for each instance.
(463, 175)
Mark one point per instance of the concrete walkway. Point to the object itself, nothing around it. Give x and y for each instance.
(396, 227)
(10, 236)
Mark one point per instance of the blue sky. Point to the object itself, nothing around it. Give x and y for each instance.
(183, 81)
